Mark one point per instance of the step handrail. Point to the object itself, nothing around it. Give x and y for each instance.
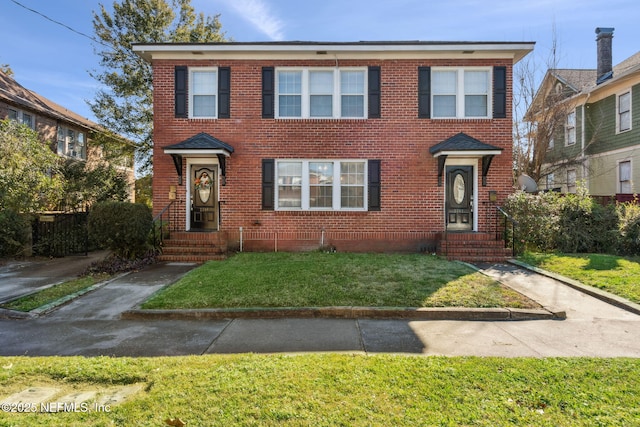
(514, 226)
(158, 219)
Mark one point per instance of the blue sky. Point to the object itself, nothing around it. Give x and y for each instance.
(54, 61)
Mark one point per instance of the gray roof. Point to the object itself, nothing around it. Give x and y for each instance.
(17, 95)
(462, 142)
(201, 141)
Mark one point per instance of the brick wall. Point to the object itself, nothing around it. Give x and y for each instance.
(412, 202)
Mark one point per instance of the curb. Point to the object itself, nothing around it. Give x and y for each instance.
(605, 296)
(441, 313)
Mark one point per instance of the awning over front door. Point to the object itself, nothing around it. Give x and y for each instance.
(462, 145)
(200, 145)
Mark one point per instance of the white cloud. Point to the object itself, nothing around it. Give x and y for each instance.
(258, 13)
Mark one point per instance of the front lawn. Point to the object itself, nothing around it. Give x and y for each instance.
(54, 293)
(615, 274)
(333, 390)
(317, 279)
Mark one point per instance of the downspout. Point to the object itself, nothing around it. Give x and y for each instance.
(583, 132)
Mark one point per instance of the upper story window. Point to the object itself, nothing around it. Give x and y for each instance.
(203, 92)
(624, 112)
(570, 129)
(21, 117)
(320, 93)
(71, 143)
(460, 92)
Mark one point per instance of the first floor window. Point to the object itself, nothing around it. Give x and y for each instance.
(321, 184)
(550, 181)
(571, 181)
(625, 177)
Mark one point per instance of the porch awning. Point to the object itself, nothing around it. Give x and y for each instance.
(200, 145)
(462, 145)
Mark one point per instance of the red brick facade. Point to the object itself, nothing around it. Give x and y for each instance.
(412, 211)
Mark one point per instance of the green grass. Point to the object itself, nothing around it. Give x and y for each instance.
(317, 279)
(338, 390)
(49, 295)
(615, 274)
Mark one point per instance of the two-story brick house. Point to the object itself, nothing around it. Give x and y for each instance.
(365, 146)
(599, 143)
(67, 133)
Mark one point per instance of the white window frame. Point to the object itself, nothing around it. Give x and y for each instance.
(572, 184)
(305, 95)
(79, 139)
(629, 181)
(20, 117)
(570, 129)
(550, 181)
(192, 92)
(619, 112)
(460, 92)
(305, 201)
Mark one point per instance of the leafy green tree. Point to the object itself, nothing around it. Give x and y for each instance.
(29, 181)
(144, 192)
(86, 184)
(125, 104)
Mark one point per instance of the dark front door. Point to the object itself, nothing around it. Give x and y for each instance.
(204, 198)
(459, 198)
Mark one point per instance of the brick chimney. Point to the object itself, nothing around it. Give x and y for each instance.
(605, 66)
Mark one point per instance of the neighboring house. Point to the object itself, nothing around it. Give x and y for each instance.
(599, 143)
(364, 146)
(67, 133)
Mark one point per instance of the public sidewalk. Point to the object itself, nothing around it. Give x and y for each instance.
(92, 325)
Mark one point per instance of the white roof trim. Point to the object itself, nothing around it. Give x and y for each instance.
(202, 152)
(468, 153)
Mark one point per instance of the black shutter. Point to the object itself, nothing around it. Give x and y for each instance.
(499, 92)
(268, 92)
(180, 85)
(224, 92)
(374, 185)
(424, 92)
(268, 184)
(374, 92)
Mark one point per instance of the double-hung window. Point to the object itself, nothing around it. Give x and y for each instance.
(22, 117)
(624, 112)
(71, 143)
(460, 92)
(320, 93)
(203, 92)
(321, 184)
(570, 129)
(624, 173)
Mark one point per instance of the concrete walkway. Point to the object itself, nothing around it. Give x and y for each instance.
(92, 325)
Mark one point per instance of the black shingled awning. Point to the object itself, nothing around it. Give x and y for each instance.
(462, 145)
(200, 145)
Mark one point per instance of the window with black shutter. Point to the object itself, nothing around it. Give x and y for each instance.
(180, 84)
(424, 92)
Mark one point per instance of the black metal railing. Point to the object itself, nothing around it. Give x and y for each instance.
(162, 224)
(56, 234)
(507, 229)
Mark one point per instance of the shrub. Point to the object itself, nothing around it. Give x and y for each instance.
(629, 226)
(122, 227)
(14, 232)
(537, 218)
